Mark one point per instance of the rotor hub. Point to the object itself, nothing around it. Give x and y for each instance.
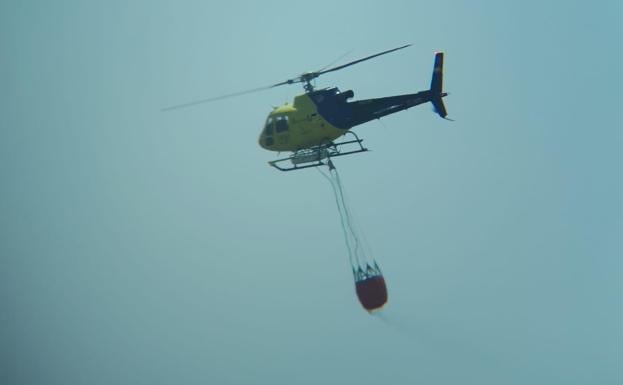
(306, 79)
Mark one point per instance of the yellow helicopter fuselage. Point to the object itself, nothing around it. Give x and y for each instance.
(297, 125)
(318, 117)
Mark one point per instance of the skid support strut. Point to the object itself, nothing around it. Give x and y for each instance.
(319, 155)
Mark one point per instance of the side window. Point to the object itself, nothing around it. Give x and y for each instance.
(268, 130)
(281, 123)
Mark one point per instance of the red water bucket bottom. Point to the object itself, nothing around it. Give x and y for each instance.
(372, 292)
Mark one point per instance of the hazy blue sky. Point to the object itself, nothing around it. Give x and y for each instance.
(140, 247)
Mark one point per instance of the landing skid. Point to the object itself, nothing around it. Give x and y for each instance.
(315, 156)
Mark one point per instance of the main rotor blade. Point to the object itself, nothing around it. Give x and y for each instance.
(201, 101)
(360, 60)
(335, 61)
(300, 79)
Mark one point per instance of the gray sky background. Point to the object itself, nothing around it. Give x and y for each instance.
(140, 247)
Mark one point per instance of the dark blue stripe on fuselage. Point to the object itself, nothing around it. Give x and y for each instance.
(332, 106)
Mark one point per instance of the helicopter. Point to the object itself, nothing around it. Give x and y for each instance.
(309, 126)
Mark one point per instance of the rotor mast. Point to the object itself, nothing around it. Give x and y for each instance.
(306, 79)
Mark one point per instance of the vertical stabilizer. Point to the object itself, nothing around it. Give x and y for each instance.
(436, 86)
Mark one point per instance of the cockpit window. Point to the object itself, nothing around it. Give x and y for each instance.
(268, 130)
(281, 123)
